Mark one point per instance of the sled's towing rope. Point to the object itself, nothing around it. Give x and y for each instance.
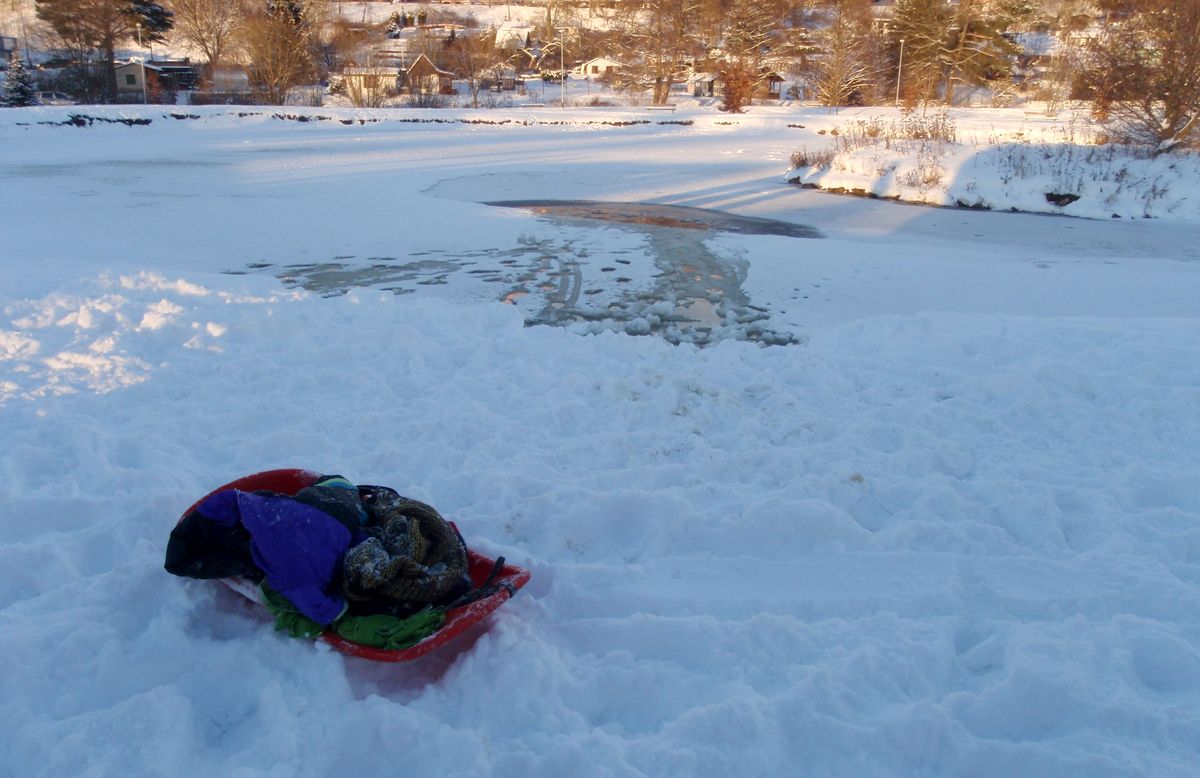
(506, 585)
(487, 588)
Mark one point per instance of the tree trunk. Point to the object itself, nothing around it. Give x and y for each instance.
(110, 72)
(660, 93)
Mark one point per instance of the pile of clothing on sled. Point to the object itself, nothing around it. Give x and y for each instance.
(363, 562)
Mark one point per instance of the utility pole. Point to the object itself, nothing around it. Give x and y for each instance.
(562, 66)
(145, 99)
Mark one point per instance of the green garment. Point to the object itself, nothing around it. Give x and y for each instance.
(287, 618)
(389, 632)
(381, 631)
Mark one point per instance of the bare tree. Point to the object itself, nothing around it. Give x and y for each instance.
(657, 39)
(1145, 73)
(86, 77)
(342, 43)
(1055, 62)
(795, 46)
(278, 49)
(209, 25)
(15, 18)
(558, 13)
(472, 57)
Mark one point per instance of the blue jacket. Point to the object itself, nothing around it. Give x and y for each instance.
(298, 547)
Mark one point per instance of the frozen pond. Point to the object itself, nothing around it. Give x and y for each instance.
(662, 278)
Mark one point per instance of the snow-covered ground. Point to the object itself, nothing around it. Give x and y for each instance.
(953, 529)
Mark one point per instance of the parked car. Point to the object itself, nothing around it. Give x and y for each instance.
(54, 98)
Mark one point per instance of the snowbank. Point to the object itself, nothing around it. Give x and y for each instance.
(1013, 169)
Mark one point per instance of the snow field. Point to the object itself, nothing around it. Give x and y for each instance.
(953, 532)
(935, 543)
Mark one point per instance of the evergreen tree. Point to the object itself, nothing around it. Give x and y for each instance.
(153, 20)
(472, 57)
(395, 24)
(976, 50)
(20, 89)
(843, 72)
(940, 45)
(919, 32)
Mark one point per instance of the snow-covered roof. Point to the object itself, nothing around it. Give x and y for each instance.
(365, 70)
(512, 36)
(135, 63)
(602, 61)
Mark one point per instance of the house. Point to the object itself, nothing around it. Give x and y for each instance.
(178, 73)
(598, 68)
(424, 77)
(369, 80)
(446, 31)
(513, 36)
(396, 53)
(8, 47)
(503, 79)
(882, 13)
(1036, 52)
(768, 86)
(229, 79)
(138, 81)
(704, 84)
(228, 85)
(155, 82)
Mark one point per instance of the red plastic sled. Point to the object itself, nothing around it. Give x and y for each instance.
(458, 620)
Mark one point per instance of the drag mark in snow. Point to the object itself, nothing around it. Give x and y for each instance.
(695, 294)
(663, 279)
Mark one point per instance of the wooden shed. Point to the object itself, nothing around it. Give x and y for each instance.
(424, 77)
